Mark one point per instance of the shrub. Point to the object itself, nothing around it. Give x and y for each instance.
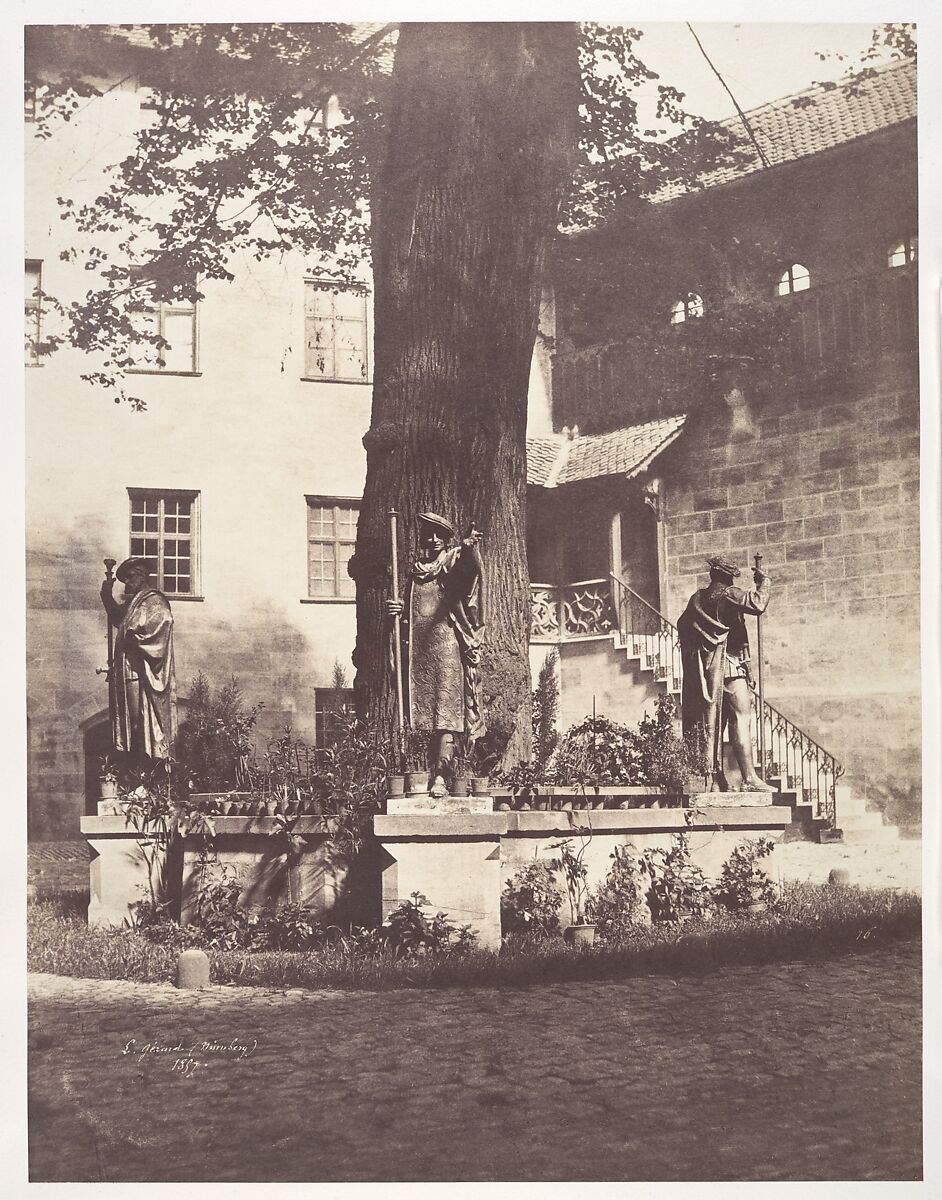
(531, 901)
(545, 709)
(292, 927)
(214, 741)
(742, 881)
(678, 886)
(408, 932)
(664, 761)
(617, 906)
(598, 750)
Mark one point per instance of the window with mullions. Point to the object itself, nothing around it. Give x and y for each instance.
(335, 332)
(902, 254)
(34, 315)
(164, 531)
(173, 320)
(690, 307)
(331, 540)
(796, 279)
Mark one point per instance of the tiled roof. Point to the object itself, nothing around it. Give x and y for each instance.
(559, 458)
(818, 119)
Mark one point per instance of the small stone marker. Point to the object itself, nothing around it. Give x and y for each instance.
(839, 877)
(193, 969)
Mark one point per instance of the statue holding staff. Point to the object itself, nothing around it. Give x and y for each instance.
(714, 649)
(441, 619)
(143, 717)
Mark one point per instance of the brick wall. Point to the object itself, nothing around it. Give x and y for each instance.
(824, 482)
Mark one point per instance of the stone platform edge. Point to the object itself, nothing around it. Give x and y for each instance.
(636, 820)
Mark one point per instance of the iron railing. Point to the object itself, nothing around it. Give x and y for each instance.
(609, 607)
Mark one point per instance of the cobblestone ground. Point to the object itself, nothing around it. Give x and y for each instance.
(795, 1071)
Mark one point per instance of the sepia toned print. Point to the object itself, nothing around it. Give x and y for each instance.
(501, 738)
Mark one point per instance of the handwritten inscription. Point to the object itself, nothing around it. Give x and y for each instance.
(187, 1057)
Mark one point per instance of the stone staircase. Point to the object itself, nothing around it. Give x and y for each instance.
(607, 609)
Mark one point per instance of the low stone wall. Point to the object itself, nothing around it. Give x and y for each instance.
(460, 861)
(249, 846)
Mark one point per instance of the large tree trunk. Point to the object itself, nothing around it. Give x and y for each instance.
(481, 135)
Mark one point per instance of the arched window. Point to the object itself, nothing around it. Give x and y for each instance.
(690, 306)
(796, 279)
(901, 254)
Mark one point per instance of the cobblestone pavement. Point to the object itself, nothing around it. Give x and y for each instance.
(803, 1071)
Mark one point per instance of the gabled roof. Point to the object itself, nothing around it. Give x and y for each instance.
(561, 458)
(817, 119)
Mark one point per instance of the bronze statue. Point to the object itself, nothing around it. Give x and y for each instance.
(714, 650)
(442, 631)
(143, 708)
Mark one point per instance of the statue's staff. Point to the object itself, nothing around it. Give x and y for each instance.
(397, 644)
(109, 671)
(762, 760)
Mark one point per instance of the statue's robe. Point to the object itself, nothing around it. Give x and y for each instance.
(144, 710)
(443, 632)
(714, 647)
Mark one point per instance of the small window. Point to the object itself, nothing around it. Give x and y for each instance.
(335, 332)
(683, 310)
(903, 253)
(164, 531)
(34, 312)
(331, 540)
(173, 320)
(796, 279)
(330, 706)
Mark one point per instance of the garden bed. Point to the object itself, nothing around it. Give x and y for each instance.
(813, 922)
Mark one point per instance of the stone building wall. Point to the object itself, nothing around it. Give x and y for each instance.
(826, 486)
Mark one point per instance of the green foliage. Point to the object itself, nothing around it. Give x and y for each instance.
(678, 887)
(742, 881)
(663, 758)
(531, 901)
(616, 907)
(813, 922)
(214, 741)
(224, 924)
(570, 863)
(408, 932)
(352, 778)
(545, 709)
(417, 750)
(598, 751)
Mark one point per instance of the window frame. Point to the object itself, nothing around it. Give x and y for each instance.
(163, 309)
(335, 502)
(33, 309)
(321, 695)
(332, 288)
(909, 245)
(694, 309)
(788, 276)
(161, 495)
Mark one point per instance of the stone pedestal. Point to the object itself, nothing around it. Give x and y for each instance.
(452, 858)
(118, 876)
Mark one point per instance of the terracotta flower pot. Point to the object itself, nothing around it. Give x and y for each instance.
(481, 785)
(460, 785)
(580, 936)
(416, 783)
(109, 789)
(395, 785)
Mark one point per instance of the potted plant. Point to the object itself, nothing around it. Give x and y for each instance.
(581, 932)
(416, 781)
(108, 779)
(678, 889)
(483, 761)
(460, 780)
(743, 885)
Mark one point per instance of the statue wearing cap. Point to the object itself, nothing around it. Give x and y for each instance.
(143, 710)
(442, 635)
(714, 649)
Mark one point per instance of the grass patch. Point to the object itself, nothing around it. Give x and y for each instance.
(813, 922)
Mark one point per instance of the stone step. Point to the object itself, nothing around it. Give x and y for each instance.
(885, 833)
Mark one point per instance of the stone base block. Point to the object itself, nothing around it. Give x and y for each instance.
(118, 872)
(452, 859)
